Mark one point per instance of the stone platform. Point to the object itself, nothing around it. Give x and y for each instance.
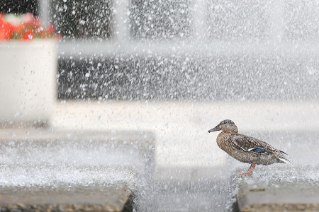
(93, 198)
(48, 170)
(27, 142)
(290, 189)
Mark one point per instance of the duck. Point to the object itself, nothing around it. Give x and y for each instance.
(246, 149)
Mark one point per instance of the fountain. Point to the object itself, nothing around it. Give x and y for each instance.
(139, 83)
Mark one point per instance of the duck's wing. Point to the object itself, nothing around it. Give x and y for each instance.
(247, 144)
(255, 146)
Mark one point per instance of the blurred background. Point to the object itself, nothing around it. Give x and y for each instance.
(178, 68)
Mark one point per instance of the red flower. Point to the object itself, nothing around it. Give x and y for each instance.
(29, 28)
(6, 31)
(28, 35)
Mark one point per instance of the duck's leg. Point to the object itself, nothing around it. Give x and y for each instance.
(249, 171)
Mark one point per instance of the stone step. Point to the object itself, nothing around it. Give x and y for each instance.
(57, 170)
(116, 197)
(79, 148)
(278, 189)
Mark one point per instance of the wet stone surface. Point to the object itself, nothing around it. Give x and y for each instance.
(66, 198)
(52, 170)
(289, 189)
(74, 156)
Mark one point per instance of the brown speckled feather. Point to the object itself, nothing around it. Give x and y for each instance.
(246, 143)
(240, 147)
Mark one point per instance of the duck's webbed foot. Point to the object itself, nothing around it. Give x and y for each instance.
(249, 171)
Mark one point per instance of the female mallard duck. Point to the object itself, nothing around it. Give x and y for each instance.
(246, 149)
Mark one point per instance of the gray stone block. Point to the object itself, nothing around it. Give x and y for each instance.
(287, 189)
(93, 198)
(53, 170)
(140, 144)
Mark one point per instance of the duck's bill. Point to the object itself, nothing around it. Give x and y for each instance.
(214, 129)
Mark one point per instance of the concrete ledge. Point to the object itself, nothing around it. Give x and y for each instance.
(132, 142)
(58, 170)
(281, 207)
(287, 190)
(93, 198)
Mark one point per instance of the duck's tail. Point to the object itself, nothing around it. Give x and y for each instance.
(284, 160)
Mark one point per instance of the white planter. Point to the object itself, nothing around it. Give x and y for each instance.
(27, 81)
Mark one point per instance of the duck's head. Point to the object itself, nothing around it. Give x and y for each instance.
(227, 126)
